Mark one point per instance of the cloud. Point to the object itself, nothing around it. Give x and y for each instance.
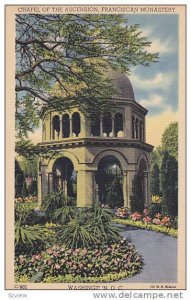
(160, 80)
(154, 101)
(162, 47)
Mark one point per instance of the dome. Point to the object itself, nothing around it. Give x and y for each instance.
(122, 84)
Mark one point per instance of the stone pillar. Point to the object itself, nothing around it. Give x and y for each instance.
(130, 178)
(101, 126)
(84, 188)
(113, 126)
(50, 182)
(44, 181)
(52, 131)
(127, 128)
(60, 134)
(71, 127)
(39, 189)
(145, 182)
(125, 185)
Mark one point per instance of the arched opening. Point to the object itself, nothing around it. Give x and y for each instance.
(56, 127)
(65, 177)
(95, 125)
(107, 125)
(143, 174)
(76, 128)
(109, 178)
(65, 126)
(133, 127)
(118, 125)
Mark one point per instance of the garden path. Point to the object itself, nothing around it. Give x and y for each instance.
(159, 252)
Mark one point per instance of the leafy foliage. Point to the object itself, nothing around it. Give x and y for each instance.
(137, 201)
(82, 263)
(155, 183)
(170, 140)
(61, 60)
(55, 200)
(169, 181)
(19, 179)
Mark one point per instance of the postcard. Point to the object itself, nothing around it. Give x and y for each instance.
(95, 147)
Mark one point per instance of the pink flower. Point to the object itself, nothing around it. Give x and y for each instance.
(145, 212)
(57, 266)
(156, 221)
(136, 216)
(147, 219)
(158, 216)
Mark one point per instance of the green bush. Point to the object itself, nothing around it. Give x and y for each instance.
(89, 227)
(55, 201)
(29, 239)
(26, 215)
(61, 264)
(137, 198)
(154, 209)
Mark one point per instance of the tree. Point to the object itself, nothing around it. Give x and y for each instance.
(170, 139)
(24, 189)
(137, 198)
(61, 61)
(19, 178)
(169, 183)
(155, 182)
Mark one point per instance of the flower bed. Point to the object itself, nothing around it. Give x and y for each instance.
(29, 199)
(159, 223)
(61, 264)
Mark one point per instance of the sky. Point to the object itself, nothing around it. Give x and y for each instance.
(155, 87)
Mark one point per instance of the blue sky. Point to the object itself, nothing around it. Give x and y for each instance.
(156, 87)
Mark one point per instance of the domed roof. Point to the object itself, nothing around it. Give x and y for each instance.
(122, 84)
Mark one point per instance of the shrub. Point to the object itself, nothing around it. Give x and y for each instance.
(81, 263)
(29, 239)
(154, 208)
(63, 215)
(137, 200)
(26, 215)
(54, 201)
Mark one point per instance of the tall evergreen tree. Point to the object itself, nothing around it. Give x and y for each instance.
(137, 197)
(19, 178)
(169, 183)
(155, 183)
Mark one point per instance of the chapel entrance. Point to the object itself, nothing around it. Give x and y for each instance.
(110, 182)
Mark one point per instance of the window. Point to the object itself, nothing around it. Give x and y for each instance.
(107, 124)
(65, 126)
(76, 124)
(118, 124)
(56, 127)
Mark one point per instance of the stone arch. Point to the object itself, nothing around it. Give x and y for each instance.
(110, 152)
(143, 173)
(66, 154)
(143, 157)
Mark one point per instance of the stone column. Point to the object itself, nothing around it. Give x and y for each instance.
(101, 126)
(50, 182)
(130, 178)
(60, 134)
(39, 189)
(71, 126)
(125, 193)
(44, 177)
(113, 125)
(145, 182)
(127, 127)
(84, 188)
